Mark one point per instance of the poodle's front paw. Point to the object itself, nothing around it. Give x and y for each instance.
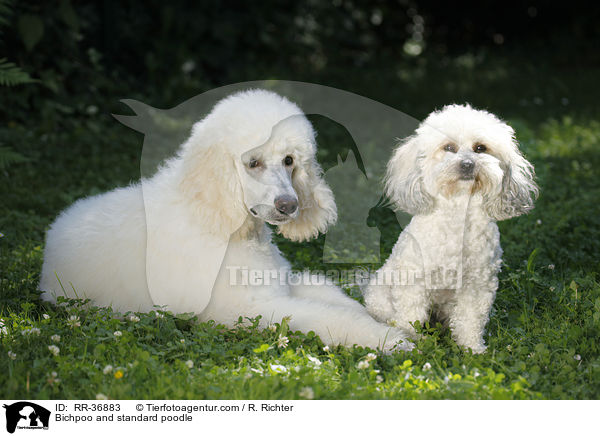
(404, 345)
(406, 327)
(476, 349)
(397, 342)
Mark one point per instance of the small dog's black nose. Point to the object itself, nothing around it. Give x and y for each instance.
(286, 204)
(467, 166)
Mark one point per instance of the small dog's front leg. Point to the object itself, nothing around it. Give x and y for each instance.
(469, 317)
(411, 303)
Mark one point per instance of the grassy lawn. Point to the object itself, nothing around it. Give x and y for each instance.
(543, 335)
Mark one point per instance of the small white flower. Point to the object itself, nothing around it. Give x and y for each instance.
(326, 348)
(551, 266)
(101, 396)
(55, 338)
(313, 359)
(54, 349)
(3, 329)
(279, 369)
(379, 379)
(189, 364)
(476, 374)
(53, 379)
(134, 318)
(46, 316)
(272, 327)
(159, 315)
(12, 355)
(363, 364)
(509, 348)
(539, 222)
(107, 369)
(446, 379)
(118, 333)
(577, 357)
(307, 393)
(370, 356)
(283, 341)
(427, 366)
(257, 370)
(182, 341)
(74, 321)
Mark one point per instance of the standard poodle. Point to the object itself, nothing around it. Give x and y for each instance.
(457, 175)
(193, 238)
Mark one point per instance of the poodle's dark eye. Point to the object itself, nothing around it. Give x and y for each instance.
(288, 160)
(253, 163)
(450, 147)
(479, 148)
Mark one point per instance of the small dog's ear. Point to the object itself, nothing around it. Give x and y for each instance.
(404, 179)
(316, 203)
(519, 189)
(210, 181)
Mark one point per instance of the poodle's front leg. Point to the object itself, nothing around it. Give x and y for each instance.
(346, 324)
(469, 316)
(312, 289)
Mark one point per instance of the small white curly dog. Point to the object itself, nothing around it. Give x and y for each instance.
(193, 237)
(457, 175)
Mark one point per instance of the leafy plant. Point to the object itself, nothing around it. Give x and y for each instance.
(10, 74)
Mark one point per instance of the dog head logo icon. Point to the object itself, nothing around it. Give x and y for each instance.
(26, 415)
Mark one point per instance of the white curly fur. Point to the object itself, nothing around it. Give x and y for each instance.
(172, 239)
(447, 259)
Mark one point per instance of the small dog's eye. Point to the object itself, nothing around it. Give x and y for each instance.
(450, 147)
(253, 163)
(479, 148)
(288, 160)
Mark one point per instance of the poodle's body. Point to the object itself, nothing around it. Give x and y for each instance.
(183, 238)
(458, 175)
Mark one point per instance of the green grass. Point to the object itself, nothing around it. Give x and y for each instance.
(542, 336)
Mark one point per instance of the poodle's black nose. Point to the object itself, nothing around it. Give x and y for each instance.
(467, 166)
(286, 204)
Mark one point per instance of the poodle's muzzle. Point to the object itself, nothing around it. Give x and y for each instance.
(270, 195)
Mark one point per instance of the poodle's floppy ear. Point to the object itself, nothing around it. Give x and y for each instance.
(316, 203)
(519, 189)
(404, 179)
(211, 183)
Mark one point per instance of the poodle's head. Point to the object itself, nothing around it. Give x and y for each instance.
(253, 158)
(461, 150)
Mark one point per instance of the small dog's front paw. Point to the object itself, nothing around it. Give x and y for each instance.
(477, 349)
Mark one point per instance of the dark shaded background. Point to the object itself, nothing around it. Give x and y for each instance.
(535, 64)
(410, 55)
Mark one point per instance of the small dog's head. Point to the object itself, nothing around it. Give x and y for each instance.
(461, 150)
(254, 154)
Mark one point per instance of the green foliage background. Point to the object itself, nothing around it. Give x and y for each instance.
(69, 64)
